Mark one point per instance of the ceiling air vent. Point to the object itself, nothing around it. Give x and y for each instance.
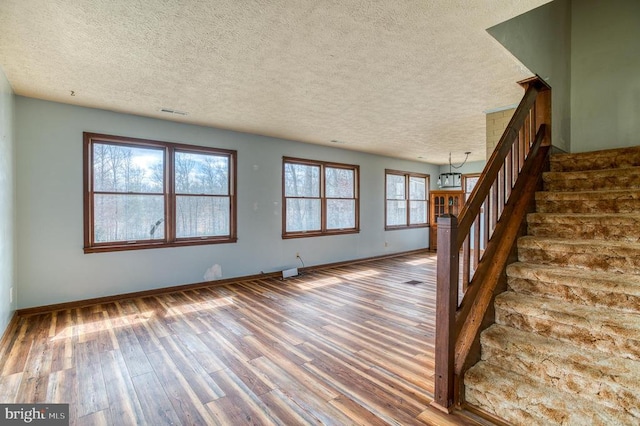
(173, 111)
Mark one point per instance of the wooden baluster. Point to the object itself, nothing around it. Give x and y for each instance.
(494, 206)
(446, 306)
(500, 189)
(515, 148)
(527, 135)
(476, 243)
(521, 148)
(466, 262)
(509, 169)
(485, 207)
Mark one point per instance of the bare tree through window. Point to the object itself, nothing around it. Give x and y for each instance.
(142, 194)
(407, 196)
(319, 198)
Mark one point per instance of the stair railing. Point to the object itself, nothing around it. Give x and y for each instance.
(484, 234)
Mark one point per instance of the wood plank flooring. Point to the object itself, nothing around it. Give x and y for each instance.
(340, 346)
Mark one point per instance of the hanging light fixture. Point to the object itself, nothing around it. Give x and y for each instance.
(452, 179)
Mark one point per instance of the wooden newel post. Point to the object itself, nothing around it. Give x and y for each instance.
(446, 306)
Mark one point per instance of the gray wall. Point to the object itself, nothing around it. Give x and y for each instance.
(7, 205)
(52, 267)
(605, 74)
(541, 40)
(470, 167)
(588, 51)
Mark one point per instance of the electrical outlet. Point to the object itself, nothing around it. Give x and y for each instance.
(297, 254)
(11, 295)
(386, 244)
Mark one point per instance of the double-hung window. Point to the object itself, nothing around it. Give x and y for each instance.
(406, 199)
(147, 194)
(319, 198)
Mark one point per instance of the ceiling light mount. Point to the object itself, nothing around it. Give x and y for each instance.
(452, 179)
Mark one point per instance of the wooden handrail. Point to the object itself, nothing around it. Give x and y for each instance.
(472, 207)
(485, 233)
(470, 315)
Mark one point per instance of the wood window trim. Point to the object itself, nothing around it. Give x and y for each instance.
(323, 231)
(466, 176)
(168, 192)
(407, 176)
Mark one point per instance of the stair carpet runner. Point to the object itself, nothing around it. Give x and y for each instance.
(565, 348)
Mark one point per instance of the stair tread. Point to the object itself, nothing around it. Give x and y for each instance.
(587, 216)
(572, 277)
(591, 174)
(523, 400)
(611, 194)
(596, 319)
(593, 365)
(576, 244)
(607, 158)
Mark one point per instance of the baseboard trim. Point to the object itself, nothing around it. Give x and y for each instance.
(173, 289)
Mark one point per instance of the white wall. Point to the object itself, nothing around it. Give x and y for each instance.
(541, 40)
(605, 74)
(52, 267)
(7, 204)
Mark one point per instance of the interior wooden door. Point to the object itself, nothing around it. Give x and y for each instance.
(442, 203)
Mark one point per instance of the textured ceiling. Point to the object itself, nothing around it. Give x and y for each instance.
(403, 78)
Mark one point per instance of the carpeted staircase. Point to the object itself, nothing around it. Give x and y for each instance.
(565, 348)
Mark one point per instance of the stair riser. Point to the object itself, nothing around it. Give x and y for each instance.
(608, 339)
(578, 295)
(628, 231)
(554, 182)
(570, 377)
(606, 260)
(629, 205)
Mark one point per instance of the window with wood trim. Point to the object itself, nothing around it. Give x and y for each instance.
(142, 194)
(319, 198)
(469, 182)
(407, 196)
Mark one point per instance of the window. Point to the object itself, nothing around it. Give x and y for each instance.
(406, 199)
(319, 198)
(469, 182)
(147, 194)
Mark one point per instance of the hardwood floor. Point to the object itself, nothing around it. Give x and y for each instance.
(348, 345)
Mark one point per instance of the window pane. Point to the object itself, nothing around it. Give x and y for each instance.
(198, 173)
(339, 183)
(128, 217)
(301, 180)
(341, 214)
(119, 168)
(417, 188)
(202, 216)
(470, 183)
(303, 215)
(396, 213)
(418, 213)
(395, 187)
